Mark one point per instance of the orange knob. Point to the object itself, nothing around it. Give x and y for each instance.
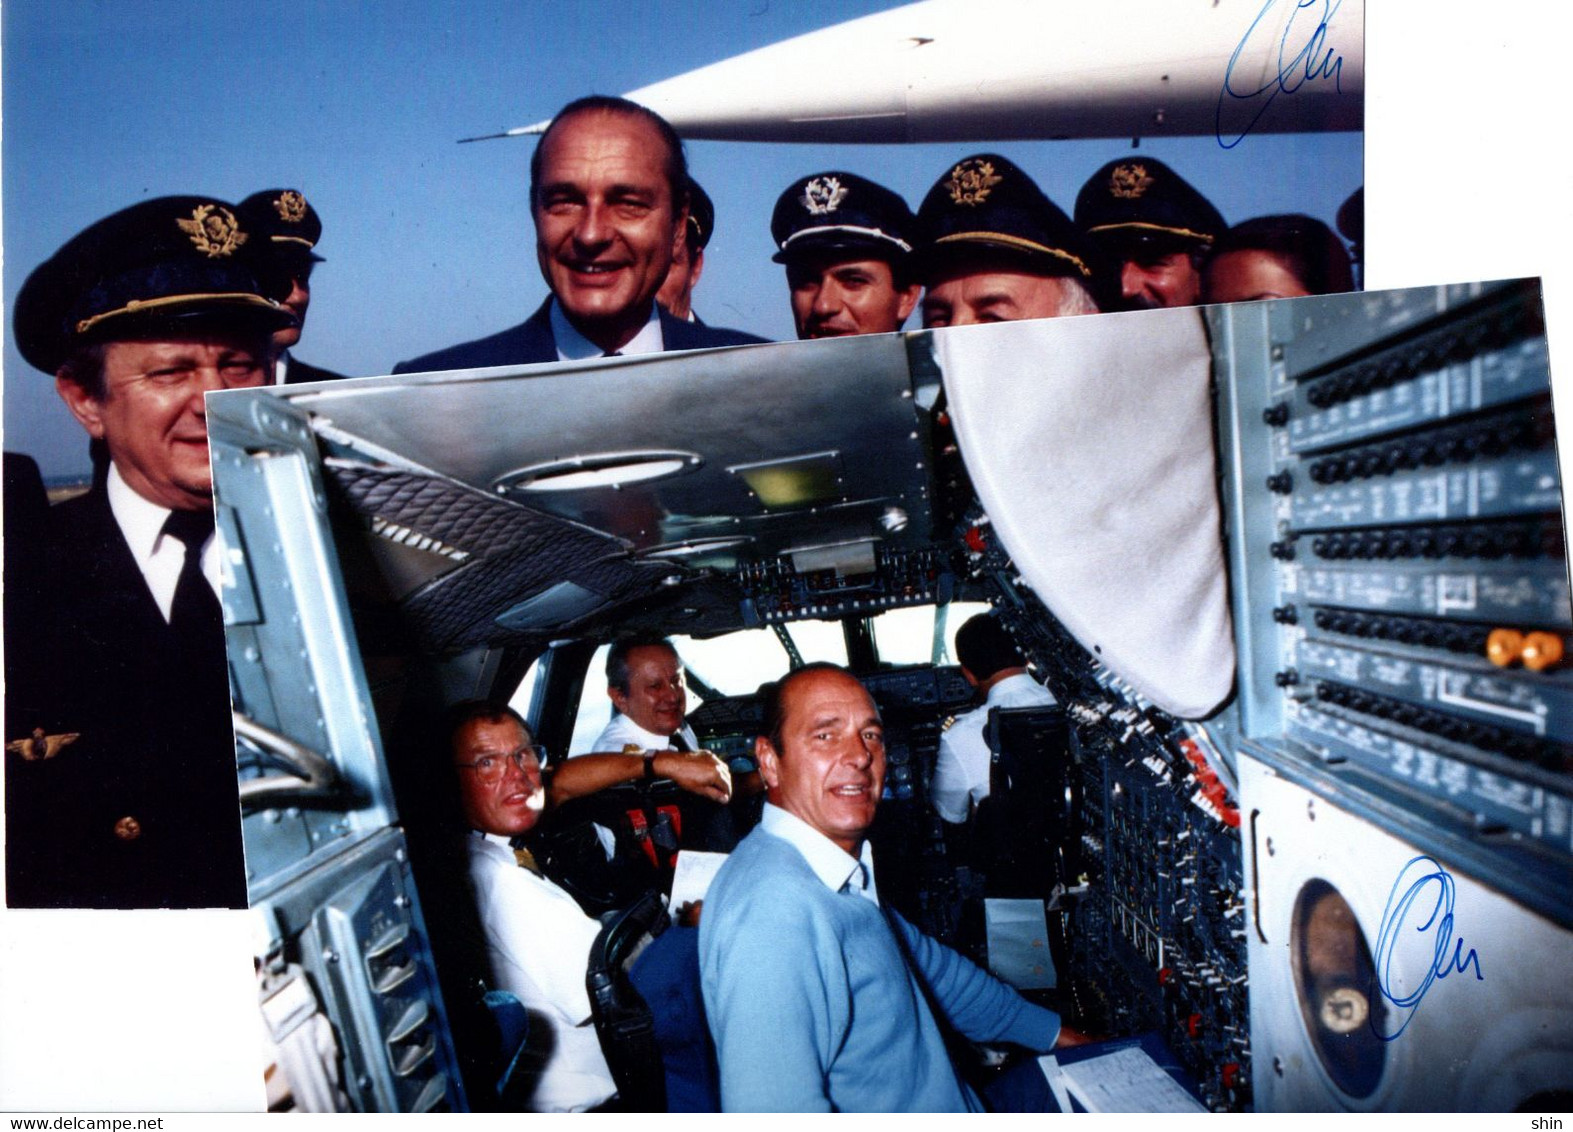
(1541, 651)
(1504, 647)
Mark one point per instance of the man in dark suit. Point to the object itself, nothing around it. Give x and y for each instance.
(688, 264)
(291, 227)
(609, 196)
(120, 766)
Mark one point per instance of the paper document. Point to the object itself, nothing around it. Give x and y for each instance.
(1122, 1080)
(1018, 939)
(692, 876)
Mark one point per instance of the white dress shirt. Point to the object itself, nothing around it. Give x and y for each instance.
(622, 733)
(827, 860)
(575, 347)
(158, 556)
(538, 944)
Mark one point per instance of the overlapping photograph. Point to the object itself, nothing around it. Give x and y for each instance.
(1143, 704)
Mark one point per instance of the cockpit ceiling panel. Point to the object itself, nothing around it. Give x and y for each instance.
(493, 556)
(835, 419)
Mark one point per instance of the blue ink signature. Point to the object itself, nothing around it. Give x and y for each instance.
(1314, 60)
(1409, 890)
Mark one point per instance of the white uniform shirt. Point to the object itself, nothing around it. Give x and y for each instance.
(158, 556)
(961, 773)
(573, 346)
(622, 733)
(538, 944)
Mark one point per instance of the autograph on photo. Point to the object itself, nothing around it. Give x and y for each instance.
(1315, 60)
(1406, 903)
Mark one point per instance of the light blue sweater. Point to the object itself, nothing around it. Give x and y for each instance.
(813, 1006)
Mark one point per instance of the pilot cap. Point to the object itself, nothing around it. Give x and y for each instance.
(841, 212)
(985, 201)
(1139, 201)
(701, 215)
(285, 218)
(163, 265)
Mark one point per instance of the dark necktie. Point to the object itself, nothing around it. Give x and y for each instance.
(522, 855)
(195, 615)
(679, 744)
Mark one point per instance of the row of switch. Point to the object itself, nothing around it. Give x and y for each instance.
(1458, 445)
(1536, 650)
(1514, 538)
(1526, 748)
(1446, 347)
(1454, 636)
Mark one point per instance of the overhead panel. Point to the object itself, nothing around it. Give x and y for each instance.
(666, 450)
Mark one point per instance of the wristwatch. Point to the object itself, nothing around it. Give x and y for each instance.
(649, 766)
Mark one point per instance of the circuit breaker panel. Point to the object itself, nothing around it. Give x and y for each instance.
(1401, 605)
(1153, 932)
(1406, 593)
(1344, 888)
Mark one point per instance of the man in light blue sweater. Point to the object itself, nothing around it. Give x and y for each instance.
(817, 996)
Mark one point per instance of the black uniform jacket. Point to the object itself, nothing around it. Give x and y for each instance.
(532, 341)
(299, 373)
(141, 810)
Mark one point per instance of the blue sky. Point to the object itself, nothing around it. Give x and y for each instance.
(429, 242)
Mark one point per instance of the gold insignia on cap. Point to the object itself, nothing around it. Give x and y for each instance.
(213, 230)
(1129, 181)
(822, 195)
(972, 181)
(291, 206)
(39, 746)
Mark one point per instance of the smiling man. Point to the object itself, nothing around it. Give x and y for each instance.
(846, 244)
(993, 248)
(536, 938)
(816, 994)
(1155, 226)
(609, 196)
(137, 318)
(644, 679)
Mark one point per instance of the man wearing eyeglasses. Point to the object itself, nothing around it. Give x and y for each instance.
(537, 938)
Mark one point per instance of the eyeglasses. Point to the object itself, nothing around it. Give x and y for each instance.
(491, 768)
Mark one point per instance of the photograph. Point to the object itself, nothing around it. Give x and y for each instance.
(915, 607)
(1272, 560)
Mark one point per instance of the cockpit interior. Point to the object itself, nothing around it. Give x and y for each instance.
(1255, 553)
